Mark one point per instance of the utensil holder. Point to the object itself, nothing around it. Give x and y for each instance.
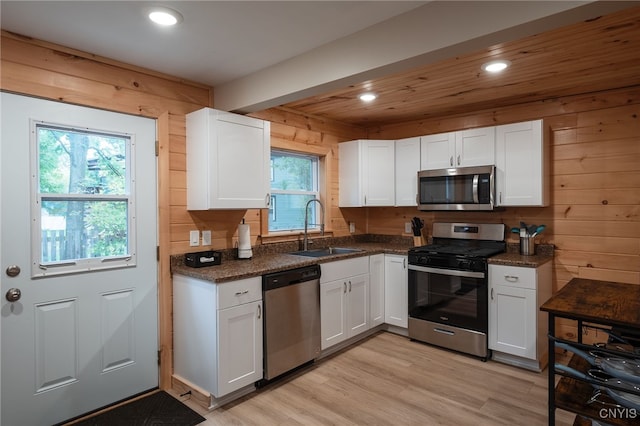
(527, 246)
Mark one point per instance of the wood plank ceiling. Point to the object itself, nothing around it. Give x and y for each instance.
(595, 55)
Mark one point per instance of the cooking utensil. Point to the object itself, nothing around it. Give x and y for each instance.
(623, 398)
(538, 230)
(416, 226)
(626, 369)
(616, 343)
(515, 230)
(531, 229)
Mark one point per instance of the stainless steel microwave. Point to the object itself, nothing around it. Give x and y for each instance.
(462, 188)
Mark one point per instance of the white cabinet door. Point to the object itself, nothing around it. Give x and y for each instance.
(378, 177)
(407, 168)
(512, 320)
(333, 309)
(396, 290)
(366, 173)
(376, 289)
(465, 148)
(475, 147)
(357, 304)
(344, 306)
(522, 165)
(437, 151)
(239, 347)
(228, 161)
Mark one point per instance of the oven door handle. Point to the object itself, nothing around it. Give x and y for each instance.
(451, 272)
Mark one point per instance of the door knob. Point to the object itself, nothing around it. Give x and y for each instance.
(13, 295)
(13, 270)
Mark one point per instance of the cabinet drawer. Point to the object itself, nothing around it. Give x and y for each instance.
(340, 269)
(239, 292)
(513, 276)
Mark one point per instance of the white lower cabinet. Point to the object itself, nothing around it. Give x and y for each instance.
(396, 304)
(217, 332)
(517, 328)
(344, 299)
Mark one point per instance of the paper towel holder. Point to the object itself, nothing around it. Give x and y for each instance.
(244, 241)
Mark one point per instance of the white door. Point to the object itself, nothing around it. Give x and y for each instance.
(475, 147)
(512, 320)
(437, 151)
(357, 304)
(333, 308)
(239, 347)
(396, 290)
(79, 230)
(378, 177)
(407, 168)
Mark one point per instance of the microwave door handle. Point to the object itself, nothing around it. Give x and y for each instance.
(476, 179)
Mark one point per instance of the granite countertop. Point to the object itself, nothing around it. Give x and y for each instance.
(544, 254)
(271, 258)
(269, 261)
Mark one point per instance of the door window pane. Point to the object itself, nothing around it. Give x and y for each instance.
(84, 207)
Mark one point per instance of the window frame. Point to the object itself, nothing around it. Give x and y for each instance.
(316, 177)
(41, 269)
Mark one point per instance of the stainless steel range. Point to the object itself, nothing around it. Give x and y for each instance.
(448, 286)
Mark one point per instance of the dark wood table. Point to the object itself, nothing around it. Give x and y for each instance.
(605, 303)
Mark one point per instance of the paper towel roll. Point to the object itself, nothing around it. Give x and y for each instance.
(244, 242)
(244, 236)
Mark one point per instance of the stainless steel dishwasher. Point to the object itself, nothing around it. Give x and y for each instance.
(291, 322)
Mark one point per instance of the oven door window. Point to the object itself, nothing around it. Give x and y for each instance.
(446, 299)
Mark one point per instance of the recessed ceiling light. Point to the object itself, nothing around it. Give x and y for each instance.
(367, 97)
(496, 66)
(165, 16)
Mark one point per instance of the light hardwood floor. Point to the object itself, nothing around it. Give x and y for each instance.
(389, 380)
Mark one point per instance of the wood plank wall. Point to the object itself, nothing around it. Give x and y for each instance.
(594, 216)
(42, 69)
(594, 219)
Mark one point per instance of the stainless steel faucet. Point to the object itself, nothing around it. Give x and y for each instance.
(305, 241)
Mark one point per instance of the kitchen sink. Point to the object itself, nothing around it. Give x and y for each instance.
(329, 251)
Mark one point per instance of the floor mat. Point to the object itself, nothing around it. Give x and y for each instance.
(158, 409)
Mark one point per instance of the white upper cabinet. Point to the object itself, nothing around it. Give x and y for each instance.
(465, 148)
(407, 168)
(228, 161)
(366, 173)
(522, 169)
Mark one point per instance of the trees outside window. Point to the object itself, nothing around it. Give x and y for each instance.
(294, 181)
(83, 201)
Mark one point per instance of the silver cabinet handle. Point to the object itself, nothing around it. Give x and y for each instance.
(491, 293)
(259, 311)
(511, 278)
(345, 287)
(451, 161)
(458, 160)
(500, 197)
(404, 263)
(349, 286)
(240, 293)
